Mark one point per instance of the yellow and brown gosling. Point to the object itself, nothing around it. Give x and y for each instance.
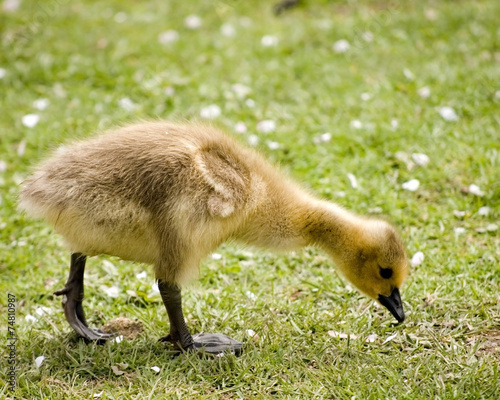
(168, 194)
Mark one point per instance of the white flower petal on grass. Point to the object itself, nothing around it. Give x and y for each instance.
(389, 338)
(250, 295)
(250, 103)
(192, 22)
(353, 181)
(127, 104)
(475, 190)
(412, 185)
(21, 148)
(323, 138)
(273, 145)
(156, 369)
(11, 5)
(240, 127)
(448, 114)
(30, 120)
(459, 214)
(366, 96)
(269, 41)
(111, 291)
(341, 46)
(30, 318)
(356, 124)
(417, 259)
(394, 123)
(371, 338)
(210, 112)
(424, 92)
(342, 335)
(41, 104)
(253, 140)
(408, 74)
(141, 275)
(459, 230)
(39, 361)
(216, 256)
(492, 227)
(3, 72)
(43, 310)
(119, 339)
(266, 126)
(98, 395)
(228, 30)
(169, 36)
(241, 90)
(420, 159)
(483, 211)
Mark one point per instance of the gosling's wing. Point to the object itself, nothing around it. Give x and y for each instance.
(226, 178)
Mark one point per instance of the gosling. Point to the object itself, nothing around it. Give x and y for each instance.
(168, 194)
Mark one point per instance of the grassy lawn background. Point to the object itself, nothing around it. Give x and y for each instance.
(99, 64)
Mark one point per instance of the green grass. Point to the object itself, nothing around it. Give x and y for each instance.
(84, 57)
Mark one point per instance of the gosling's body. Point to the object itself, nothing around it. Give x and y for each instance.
(169, 194)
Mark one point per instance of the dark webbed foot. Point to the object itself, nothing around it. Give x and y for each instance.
(72, 301)
(212, 343)
(216, 343)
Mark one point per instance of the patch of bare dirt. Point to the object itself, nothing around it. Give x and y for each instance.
(126, 327)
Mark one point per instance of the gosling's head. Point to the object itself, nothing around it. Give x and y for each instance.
(377, 264)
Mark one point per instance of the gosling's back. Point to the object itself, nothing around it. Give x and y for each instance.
(130, 191)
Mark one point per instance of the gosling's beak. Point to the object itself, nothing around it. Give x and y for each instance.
(393, 304)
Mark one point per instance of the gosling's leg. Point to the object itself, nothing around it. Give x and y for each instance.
(212, 343)
(72, 300)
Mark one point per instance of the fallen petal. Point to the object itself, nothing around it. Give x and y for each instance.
(192, 21)
(39, 361)
(475, 190)
(211, 111)
(168, 36)
(30, 120)
(41, 104)
(341, 46)
(156, 369)
(483, 211)
(266, 126)
(424, 92)
(420, 159)
(448, 114)
(389, 338)
(240, 127)
(251, 295)
(269, 41)
(371, 338)
(141, 275)
(30, 318)
(412, 185)
(97, 395)
(417, 259)
(353, 181)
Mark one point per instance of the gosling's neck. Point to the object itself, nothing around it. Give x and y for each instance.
(338, 231)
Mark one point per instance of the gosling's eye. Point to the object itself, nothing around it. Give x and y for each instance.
(385, 273)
